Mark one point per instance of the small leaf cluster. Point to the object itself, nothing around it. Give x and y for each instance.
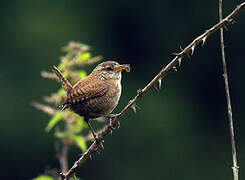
(67, 126)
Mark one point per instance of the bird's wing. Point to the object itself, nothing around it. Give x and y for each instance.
(85, 93)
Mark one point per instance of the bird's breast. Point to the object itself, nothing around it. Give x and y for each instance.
(114, 96)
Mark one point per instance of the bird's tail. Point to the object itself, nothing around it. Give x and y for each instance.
(65, 83)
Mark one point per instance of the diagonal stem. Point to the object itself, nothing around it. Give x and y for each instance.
(165, 70)
(235, 167)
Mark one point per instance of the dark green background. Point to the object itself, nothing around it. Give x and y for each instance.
(180, 132)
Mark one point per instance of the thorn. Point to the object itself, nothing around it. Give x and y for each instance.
(180, 53)
(230, 20)
(140, 92)
(192, 49)
(179, 60)
(225, 28)
(160, 83)
(134, 107)
(177, 54)
(204, 40)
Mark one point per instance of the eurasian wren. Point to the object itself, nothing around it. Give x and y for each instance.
(95, 95)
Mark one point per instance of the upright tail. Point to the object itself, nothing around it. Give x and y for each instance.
(65, 83)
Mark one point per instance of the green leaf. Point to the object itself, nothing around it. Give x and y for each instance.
(80, 141)
(84, 56)
(54, 120)
(62, 65)
(78, 125)
(81, 123)
(43, 177)
(61, 91)
(81, 74)
(65, 74)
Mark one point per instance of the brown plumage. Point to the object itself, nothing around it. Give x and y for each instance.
(95, 95)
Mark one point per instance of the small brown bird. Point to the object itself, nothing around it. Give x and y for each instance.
(95, 95)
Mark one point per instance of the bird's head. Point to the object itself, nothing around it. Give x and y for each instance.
(110, 70)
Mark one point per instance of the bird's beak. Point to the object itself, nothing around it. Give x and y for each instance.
(122, 67)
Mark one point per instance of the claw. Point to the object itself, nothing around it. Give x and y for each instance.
(112, 126)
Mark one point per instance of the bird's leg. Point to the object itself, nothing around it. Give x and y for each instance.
(94, 135)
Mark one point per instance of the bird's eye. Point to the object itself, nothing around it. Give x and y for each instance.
(109, 68)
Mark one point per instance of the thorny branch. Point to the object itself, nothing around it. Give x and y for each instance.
(188, 50)
(235, 167)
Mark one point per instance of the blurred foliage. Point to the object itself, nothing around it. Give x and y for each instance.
(180, 132)
(43, 177)
(71, 132)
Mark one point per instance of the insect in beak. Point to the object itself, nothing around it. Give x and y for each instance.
(122, 67)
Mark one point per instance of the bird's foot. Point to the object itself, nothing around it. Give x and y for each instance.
(112, 124)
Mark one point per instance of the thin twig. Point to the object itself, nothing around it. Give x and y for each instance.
(188, 50)
(63, 158)
(49, 75)
(47, 109)
(235, 167)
